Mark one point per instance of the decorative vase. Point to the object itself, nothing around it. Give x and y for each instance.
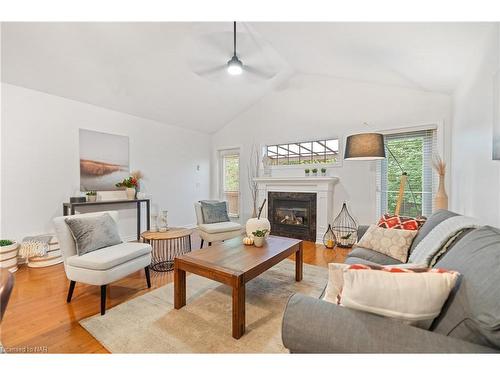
(130, 193)
(91, 198)
(154, 223)
(345, 228)
(163, 221)
(323, 174)
(329, 239)
(441, 198)
(307, 174)
(257, 224)
(259, 241)
(315, 174)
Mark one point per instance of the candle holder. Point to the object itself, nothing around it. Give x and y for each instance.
(329, 239)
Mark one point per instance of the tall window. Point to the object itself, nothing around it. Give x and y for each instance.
(230, 180)
(414, 151)
(311, 152)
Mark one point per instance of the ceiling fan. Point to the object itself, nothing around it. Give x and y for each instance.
(235, 66)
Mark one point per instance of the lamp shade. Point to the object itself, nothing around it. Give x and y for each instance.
(365, 146)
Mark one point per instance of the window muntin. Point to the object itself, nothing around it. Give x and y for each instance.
(312, 152)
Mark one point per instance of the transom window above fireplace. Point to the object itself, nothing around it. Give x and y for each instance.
(310, 152)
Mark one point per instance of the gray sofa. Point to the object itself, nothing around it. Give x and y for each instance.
(468, 323)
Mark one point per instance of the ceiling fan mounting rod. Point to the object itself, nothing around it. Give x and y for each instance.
(234, 37)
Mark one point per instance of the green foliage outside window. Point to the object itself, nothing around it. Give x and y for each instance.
(231, 173)
(409, 153)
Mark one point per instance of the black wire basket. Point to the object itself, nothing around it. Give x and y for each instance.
(345, 228)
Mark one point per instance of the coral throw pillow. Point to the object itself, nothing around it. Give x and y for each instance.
(400, 222)
(391, 242)
(414, 295)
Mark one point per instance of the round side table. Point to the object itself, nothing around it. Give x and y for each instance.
(166, 246)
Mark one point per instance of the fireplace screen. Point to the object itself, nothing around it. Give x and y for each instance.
(293, 214)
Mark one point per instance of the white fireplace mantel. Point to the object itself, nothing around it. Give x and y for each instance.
(322, 186)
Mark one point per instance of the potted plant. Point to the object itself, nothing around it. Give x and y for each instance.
(259, 237)
(315, 171)
(91, 195)
(130, 185)
(8, 254)
(323, 171)
(307, 170)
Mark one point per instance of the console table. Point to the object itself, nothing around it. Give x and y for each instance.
(69, 209)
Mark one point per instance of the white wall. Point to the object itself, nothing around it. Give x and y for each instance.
(316, 107)
(475, 176)
(40, 160)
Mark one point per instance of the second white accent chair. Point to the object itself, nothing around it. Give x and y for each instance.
(104, 266)
(215, 231)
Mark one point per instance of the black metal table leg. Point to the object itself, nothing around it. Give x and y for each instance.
(138, 221)
(148, 215)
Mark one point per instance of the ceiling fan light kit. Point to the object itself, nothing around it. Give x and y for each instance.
(234, 66)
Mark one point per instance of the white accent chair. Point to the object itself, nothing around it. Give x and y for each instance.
(216, 231)
(104, 266)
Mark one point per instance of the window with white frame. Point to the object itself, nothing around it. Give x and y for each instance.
(310, 152)
(230, 180)
(414, 152)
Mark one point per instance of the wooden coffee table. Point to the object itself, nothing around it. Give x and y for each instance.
(235, 264)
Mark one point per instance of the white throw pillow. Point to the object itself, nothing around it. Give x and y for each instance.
(391, 242)
(335, 284)
(397, 293)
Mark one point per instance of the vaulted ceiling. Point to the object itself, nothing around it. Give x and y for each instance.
(169, 71)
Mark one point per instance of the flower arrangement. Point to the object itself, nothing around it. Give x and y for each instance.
(132, 181)
(91, 193)
(129, 182)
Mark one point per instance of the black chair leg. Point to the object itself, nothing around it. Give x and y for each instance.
(210, 244)
(70, 290)
(202, 241)
(148, 276)
(103, 299)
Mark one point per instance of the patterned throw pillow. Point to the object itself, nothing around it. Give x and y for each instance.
(391, 242)
(400, 222)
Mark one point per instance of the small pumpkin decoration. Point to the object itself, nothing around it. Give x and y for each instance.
(248, 241)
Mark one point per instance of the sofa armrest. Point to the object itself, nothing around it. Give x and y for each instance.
(311, 325)
(362, 230)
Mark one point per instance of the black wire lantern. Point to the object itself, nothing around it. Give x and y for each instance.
(345, 228)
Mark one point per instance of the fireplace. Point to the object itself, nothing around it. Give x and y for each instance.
(293, 214)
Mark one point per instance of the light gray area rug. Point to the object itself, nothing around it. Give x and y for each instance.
(150, 324)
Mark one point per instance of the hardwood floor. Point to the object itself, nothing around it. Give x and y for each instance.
(38, 319)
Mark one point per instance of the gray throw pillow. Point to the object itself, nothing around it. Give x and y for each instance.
(93, 233)
(214, 212)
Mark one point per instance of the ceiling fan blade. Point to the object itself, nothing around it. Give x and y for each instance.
(210, 71)
(257, 72)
